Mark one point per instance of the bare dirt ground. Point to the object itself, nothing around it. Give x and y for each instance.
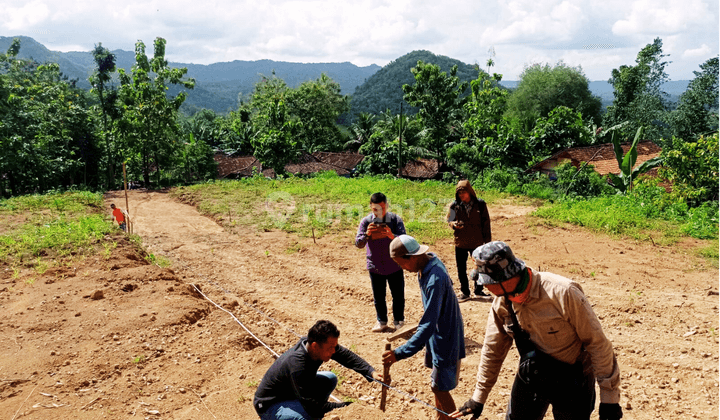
(152, 347)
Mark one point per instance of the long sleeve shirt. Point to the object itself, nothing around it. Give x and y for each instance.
(476, 223)
(378, 250)
(561, 323)
(441, 327)
(292, 377)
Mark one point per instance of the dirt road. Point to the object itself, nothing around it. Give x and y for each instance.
(659, 307)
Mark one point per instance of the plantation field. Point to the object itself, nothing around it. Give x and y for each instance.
(110, 335)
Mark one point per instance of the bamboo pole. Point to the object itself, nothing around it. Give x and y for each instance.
(127, 206)
(386, 380)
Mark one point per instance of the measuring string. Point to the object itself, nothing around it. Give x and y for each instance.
(243, 301)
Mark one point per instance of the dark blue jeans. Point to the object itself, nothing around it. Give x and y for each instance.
(293, 410)
(461, 256)
(396, 281)
(573, 398)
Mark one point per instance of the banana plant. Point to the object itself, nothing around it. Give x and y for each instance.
(623, 182)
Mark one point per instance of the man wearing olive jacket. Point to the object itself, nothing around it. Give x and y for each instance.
(562, 347)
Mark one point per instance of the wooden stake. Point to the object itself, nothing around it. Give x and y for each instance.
(128, 223)
(386, 380)
(313, 233)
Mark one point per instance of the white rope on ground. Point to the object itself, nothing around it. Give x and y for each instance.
(246, 329)
(237, 320)
(408, 395)
(23, 403)
(276, 355)
(244, 303)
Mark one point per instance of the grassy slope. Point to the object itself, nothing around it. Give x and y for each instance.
(329, 203)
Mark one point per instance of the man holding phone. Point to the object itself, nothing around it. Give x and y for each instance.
(375, 232)
(469, 219)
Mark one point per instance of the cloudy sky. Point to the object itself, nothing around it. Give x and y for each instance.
(597, 35)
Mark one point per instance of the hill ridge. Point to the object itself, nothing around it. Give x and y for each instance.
(220, 84)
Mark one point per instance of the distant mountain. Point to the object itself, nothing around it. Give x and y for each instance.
(383, 90)
(217, 85)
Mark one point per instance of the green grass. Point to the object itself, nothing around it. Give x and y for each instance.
(159, 260)
(327, 203)
(340, 377)
(51, 225)
(632, 217)
(710, 253)
(331, 204)
(72, 202)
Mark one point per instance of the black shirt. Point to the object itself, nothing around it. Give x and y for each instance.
(292, 377)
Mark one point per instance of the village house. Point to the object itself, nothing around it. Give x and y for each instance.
(600, 156)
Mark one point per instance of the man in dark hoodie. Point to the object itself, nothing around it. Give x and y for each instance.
(469, 219)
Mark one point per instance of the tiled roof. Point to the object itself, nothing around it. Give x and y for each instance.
(601, 156)
(342, 160)
(241, 166)
(237, 166)
(308, 164)
(421, 168)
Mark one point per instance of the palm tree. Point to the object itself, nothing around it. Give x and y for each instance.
(360, 131)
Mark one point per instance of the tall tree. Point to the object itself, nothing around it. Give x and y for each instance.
(439, 99)
(486, 107)
(360, 131)
(275, 143)
(318, 104)
(149, 125)
(491, 140)
(562, 128)
(101, 77)
(638, 95)
(273, 135)
(46, 129)
(697, 111)
(543, 88)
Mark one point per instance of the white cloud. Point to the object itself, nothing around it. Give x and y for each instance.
(702, 51)
(537, 22)
(368, 32)
(662, 17)
(30, 14)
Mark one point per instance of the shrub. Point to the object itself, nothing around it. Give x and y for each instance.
(693, 168)
(583, 181)
(497, 179)
(538, 190)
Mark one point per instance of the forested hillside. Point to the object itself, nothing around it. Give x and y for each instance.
(56, 135)
(383, 90)
(219, 86)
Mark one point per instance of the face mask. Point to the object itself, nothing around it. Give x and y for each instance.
(522, 297)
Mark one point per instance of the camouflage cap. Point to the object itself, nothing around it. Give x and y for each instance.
(496, 263)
